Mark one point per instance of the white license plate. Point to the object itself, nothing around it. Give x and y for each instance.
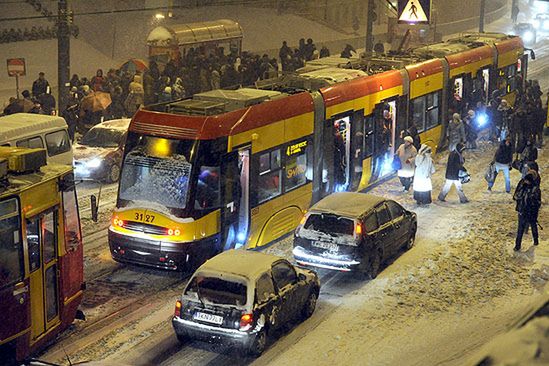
(214, 319)
(324, 245)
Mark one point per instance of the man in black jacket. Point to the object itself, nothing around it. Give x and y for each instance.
(454, 165)
(503, 160)
(528, 198)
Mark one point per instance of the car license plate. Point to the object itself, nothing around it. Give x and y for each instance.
(324, 245)
(214, 319)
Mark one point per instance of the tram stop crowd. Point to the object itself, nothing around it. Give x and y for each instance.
(518, 133)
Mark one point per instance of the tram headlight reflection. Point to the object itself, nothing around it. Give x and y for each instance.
(482, 120)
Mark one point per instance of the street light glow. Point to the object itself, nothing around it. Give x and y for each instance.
(159, 16)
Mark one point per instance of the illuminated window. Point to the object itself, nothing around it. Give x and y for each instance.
(269, 185)
(297, 165)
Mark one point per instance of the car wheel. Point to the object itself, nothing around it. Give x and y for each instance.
(375, 265)
(259, 344)
(310, 305)
(114, 174)
(411, 240)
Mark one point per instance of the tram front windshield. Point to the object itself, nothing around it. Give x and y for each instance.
(156, 173)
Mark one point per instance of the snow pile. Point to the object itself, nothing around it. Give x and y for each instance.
(528, 345)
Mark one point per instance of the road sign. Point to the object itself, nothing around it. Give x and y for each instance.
(16, 67)
(414, 11)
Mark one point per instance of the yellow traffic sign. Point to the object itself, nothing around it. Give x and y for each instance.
(414, 11)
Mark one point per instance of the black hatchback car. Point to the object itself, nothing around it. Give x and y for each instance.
(239, 297)
(350, 231)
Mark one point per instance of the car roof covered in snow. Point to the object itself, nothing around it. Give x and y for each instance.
(245, 263)
(349, 204)
(19, 125)
(115, 124)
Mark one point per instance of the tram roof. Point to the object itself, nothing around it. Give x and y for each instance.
(21, 182)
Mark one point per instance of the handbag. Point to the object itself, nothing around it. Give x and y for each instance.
(396, 164)
(464, 176)
(491, 173)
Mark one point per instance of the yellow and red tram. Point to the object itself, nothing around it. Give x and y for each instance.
(238, 168)
(41, 261)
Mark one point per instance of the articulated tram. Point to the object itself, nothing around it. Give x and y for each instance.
(238, 168)
(41, 256)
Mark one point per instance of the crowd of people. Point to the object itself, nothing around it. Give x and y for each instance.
(518, 132)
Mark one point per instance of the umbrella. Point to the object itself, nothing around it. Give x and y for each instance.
(95, 101)
(134, 66)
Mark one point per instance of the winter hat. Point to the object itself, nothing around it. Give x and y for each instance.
(471, 113)
(456, 117)
(425, 149)
(167, 89)
(409, 139)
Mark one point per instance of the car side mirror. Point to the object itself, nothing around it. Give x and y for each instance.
(302, 277)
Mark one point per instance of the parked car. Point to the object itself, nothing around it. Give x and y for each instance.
(527, 32)
(239, 297)
(351, 231)
(98, 155)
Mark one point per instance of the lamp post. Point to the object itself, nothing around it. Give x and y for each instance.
(481, 18)
(369, 28)
(63, 53)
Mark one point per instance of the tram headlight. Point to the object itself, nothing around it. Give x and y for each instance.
(94, 163)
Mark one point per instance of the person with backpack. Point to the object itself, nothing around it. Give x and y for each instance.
(528, 198)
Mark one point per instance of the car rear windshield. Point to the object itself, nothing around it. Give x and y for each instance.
(330, 224)
(217, 290)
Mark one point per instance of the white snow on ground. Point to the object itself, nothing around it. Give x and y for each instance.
(458, 287)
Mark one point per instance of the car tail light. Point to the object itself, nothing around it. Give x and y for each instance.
(177, 311)
(246, 321)
(358, 229)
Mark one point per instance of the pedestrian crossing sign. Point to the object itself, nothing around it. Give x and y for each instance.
(414, 11)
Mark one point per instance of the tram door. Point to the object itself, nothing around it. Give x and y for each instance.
(42, 239)
(235, 212)
(385, 138)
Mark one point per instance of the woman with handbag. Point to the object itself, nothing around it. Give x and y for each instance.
(422, 178)
(453, 167)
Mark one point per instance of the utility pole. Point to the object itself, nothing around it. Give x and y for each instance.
(481, 18)
(63, 53)
(369, 28)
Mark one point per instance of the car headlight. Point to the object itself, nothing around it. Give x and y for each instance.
(528, 36)
(536, 23)
(94, 163)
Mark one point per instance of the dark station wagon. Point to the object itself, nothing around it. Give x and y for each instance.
(238, 297)
(351, 231)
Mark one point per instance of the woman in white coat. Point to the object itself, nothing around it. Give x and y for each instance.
(406, 153)
(422, 179)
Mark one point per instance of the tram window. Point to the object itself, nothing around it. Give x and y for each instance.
(33, 143)
(57, 142)
(296, 170)
(425, 111)
(368, 137)
(73, 236)
(418, 113)
(33, 241)
(11, 250)
(49, 235)
(207, 188)
(269, 175)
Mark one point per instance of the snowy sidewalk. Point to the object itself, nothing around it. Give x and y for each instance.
(457, 288)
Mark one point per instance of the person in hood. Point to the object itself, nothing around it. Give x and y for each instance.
(503, 160)
(454, 165)
(136, 96)
(455, 132)
(528, 198)
(407, 154)
(425, 168)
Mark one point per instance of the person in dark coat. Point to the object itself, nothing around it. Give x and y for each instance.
(454, 165)
(48, 102)
(528, 198)
(503, 159)
(528, 156)
(70, 114)
(14, 106)
(40, 85)
(414, 134)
